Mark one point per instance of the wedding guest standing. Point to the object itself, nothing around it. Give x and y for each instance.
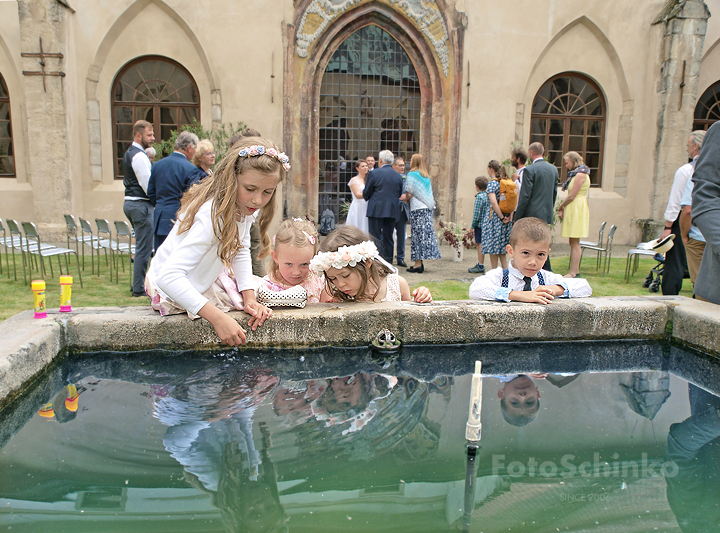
(357, 214)
(423, 242)
(573, 211)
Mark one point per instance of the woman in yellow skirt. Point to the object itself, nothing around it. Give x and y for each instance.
(573, 211)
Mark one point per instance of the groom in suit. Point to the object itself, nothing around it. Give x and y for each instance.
(539, 190)
(382, 191)
(706, 214)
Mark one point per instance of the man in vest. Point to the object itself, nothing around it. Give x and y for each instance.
(137, 207)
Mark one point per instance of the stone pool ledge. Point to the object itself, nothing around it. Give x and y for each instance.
(28, 345)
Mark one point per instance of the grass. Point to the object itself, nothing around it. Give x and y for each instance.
(99, 291)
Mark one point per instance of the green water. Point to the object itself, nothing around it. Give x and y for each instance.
(332, 440)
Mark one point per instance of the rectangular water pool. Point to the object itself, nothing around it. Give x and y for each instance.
(603, 436)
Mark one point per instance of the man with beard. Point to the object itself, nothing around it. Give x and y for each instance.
(137, 207)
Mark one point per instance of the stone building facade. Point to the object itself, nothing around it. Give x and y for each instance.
(459, 81)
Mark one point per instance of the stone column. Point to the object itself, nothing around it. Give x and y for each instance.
(685, 25)
(47, 126)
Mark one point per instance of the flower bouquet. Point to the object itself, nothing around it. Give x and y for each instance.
(456, 236)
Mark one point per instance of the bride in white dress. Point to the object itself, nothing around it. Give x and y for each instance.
(357, 214)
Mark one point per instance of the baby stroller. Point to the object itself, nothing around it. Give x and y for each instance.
(654, 278)
(659, 246)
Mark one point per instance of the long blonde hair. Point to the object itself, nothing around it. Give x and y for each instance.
(417, 164)
(222, 189)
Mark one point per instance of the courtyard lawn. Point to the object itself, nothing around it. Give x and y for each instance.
(101, 292)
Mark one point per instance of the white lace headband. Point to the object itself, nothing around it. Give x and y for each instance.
(256, 150)
(346, 256)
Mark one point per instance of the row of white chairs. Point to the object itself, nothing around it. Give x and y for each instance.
(25, 238)
(82, 235)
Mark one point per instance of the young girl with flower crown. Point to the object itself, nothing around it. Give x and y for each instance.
(354, 271)
(212, 230)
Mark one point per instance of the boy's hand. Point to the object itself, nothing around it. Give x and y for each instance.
(422, 295)
(542, 295)
(557, 290)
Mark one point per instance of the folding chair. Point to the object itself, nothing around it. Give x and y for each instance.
(88, 239)
(5, 243)
(122, 229)
(34, 246)
(18, 242)
(587, 244)
(606, 250)
(72, 235)
(103, 227)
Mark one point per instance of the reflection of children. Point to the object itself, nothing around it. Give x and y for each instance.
(520, 397)
(355, 272)
(524, 280)
(212, 231)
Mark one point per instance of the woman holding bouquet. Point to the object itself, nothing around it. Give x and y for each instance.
(423, 242)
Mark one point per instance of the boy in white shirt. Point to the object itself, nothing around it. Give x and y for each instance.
(524, 280)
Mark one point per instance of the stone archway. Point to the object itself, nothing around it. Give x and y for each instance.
(439, 74)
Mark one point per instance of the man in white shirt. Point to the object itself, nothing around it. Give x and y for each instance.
(675, 260)
(518, 159)
(137, 207)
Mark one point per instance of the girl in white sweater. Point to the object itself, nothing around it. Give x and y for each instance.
(212, 231)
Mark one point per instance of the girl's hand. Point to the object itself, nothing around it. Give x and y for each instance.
(506, 219)
(258, 314)
(561, 213)
(226, 327)
(422, 295)
(257, 311)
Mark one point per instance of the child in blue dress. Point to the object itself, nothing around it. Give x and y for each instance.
(496, 225)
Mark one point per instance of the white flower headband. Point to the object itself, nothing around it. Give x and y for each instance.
(344, 256)
(256, 150)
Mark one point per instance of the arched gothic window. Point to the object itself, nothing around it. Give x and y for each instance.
(7, 155)
(568, 114)
(707, 110)
(156, 89)
(369, 101)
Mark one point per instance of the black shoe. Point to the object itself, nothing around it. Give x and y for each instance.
(138, 294)
(401, 263)
(418, 270)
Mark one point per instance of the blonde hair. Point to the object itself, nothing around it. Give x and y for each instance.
(295, 232)
(574, 158)
(348, 236)
(201, 149)
(222, 189)
(417, 164)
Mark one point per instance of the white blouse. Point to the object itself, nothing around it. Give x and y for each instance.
(186, 265)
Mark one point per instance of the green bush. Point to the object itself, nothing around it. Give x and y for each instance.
(219, 138)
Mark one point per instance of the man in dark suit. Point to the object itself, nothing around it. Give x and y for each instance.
(401, 222)
(706, 214)
(382, 191)
(539, 190)
(170, 178)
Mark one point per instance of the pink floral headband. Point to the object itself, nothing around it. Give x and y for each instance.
(256, 150)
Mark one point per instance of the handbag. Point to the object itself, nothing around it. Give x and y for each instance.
(293, 297)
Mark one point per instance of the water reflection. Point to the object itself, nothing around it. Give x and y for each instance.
(693, 445)
(232, 444)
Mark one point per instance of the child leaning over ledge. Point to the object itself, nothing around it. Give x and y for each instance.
(524, 280)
